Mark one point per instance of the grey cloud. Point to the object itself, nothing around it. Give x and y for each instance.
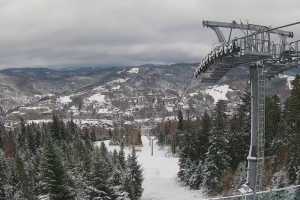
(123, 32)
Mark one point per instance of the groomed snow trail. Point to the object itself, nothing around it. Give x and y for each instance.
(160, 172)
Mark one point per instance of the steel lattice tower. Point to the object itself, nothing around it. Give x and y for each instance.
(267, 53)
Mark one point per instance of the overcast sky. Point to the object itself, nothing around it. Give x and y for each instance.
(123, 32)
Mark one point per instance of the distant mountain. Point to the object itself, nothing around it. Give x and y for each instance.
(139, 94)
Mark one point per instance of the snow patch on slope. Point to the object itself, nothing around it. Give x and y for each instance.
(134, 70)
(64, 100)
(119, 80)
(289, 79)
(218, 92)
(100, 98)
(105, 111)
(116, 87)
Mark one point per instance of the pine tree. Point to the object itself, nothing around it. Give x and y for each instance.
(54, 176)
(107, 156)
(99, 178)
(202, 137)
(180, 120)
(237, 142)
(272, 129)
(127, 185)
(215, 165)
(21, 137)
(30, 139)
(239, 132)
(186, 156)
(182, 162)
(122, 159)
(193, 148)
(197, 177)
(191, 168)
(22, 178)
(217, 159)
(134, 176)
(3, 178)
(2, 133)
(115, 158)
(116, 178)
(103, 150)
(292, 118)
(56, 129)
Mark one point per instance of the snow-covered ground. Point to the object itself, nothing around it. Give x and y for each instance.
(160, 171)
(288, 78)
(98, 98)
(134, 70)
(218, 92)
(64, 99)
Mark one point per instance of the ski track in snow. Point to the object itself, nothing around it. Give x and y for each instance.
(160, 173)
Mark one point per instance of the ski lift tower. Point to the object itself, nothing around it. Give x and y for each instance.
(267, 52)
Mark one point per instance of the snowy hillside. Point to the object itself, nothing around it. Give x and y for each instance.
(218, 92)
(143, 94)
(160, 174)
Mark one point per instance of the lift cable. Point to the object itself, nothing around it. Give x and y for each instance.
(182, 96)
(270, 29)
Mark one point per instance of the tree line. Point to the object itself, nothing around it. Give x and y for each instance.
(213, 149)
(59, 161)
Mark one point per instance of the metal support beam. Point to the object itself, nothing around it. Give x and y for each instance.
(252, 157)
(252, 27)
(256, 152)
(219, 34)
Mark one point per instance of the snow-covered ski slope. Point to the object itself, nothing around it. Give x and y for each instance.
(160, 174)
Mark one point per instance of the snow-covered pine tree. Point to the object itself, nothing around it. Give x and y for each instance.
(117, 181)
(99, 178)
(134, 177)
(239, 132)
(188, 155)
(127, 185)
(182, 162)
(55, 128)
(215, 165)
(184, 157)
(197, 176)
(203, 136)
(192, 166)
(115, 158)
(193, 147)
(116, 177)
(3, 178)
(237, 143)
(54, 175)
(217, 159)
(180, 120)
(272, 129)
(103, 150)
(122, 159)
(292, 119)
(23, 183)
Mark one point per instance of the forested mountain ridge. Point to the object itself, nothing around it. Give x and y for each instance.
(139, 94)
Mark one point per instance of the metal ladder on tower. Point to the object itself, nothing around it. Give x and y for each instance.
(261, 129)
